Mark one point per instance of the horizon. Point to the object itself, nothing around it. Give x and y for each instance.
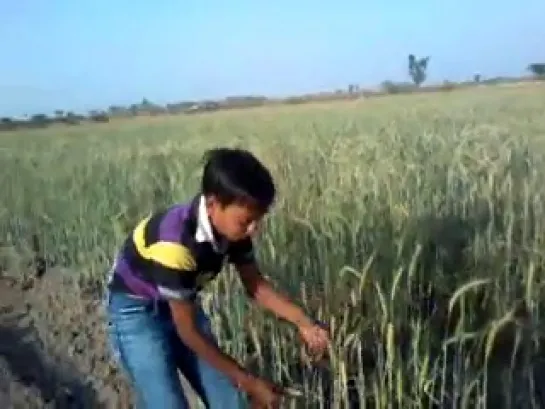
(75, 57)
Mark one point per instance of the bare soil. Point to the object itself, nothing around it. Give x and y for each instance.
(53, 350)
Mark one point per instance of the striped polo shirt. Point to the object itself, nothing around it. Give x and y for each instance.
(174, 253)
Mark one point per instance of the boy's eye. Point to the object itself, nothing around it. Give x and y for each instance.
(245, 224)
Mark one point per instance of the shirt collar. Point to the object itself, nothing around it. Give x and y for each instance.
(204, 231)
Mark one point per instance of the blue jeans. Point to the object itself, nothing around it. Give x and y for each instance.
(146, 344)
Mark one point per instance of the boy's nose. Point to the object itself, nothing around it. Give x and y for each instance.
(252, 229)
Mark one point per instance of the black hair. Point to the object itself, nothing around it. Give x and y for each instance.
(236, 175)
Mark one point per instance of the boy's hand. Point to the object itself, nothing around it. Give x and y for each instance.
(316, 338)
(264, 394)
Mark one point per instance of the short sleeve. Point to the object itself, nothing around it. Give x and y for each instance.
(241, 252)
(173, 270)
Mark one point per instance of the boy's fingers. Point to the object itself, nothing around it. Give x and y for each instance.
(279, 389)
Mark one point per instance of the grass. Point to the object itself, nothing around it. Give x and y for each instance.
(413, 225)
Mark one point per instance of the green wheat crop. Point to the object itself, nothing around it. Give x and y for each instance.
(414, 225)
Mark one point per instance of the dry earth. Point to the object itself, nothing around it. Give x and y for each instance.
(52, 347)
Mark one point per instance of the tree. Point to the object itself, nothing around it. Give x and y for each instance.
(7, 124)
(538, 69)
(418, 69)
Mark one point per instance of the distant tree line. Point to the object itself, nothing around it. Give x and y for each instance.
(417, 70)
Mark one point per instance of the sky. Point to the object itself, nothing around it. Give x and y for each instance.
(89, 54)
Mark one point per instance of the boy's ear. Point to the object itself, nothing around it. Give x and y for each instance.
(212, 202)
(209, 200)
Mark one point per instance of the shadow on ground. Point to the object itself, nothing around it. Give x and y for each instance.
(58, 383)
(52, 349)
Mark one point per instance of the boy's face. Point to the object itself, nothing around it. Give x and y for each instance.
(236, 221)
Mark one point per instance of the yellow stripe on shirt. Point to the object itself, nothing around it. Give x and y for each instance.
(169, 254)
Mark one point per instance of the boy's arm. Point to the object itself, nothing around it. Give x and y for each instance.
(241, 255)
(314, 335)
(183, 313)
(261, 290)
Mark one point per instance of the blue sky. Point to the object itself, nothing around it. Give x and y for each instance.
(88, 54)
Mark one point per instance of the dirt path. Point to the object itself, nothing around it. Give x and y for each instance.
(52, 348)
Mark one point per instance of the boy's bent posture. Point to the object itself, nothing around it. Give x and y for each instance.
(155, 322)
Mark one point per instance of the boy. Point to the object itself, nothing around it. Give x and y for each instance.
(156, 325)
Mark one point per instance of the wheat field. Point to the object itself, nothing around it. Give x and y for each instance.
(412, 224)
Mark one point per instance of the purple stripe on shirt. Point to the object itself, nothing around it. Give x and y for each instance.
(170, 229)
(172, 224)
(135, 284)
